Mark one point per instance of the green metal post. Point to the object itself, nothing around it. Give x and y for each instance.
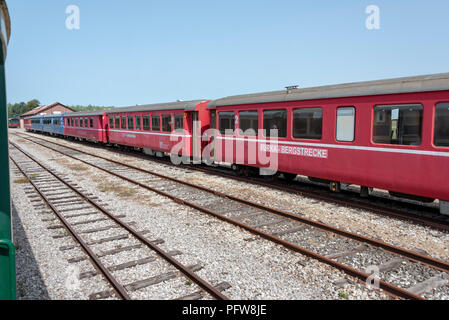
(7, 251)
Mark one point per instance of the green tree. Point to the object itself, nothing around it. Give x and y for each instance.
(17, 109)
(32, 104)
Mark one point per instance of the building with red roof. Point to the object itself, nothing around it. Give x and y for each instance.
(54, 108)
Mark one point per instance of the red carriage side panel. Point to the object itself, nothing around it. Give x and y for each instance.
(159, 128)
(87, 126)
(417, 168)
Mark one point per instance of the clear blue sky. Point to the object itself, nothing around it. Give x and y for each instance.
(142, 51)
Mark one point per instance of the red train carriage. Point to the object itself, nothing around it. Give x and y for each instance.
(14, 123)
(27, 124)
(86, 126)
(160, 128)
(388, 134)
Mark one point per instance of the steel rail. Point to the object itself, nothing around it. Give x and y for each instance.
(414, 256)
(118, 288)
(389, 212)
(395, 290)
(183, 269)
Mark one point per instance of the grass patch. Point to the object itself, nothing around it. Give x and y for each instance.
(22, 180)
(188, 283)
(77, 168)
(63, 233)
(122, 192)
(343, 295)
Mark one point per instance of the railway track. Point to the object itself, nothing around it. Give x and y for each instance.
(406, 211)
(407, 274)
(80, 214)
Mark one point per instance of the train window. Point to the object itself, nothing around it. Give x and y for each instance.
(111, 122)
(117, 122)
(146, 123)
(441, 138)
(308, 123)
(166, 123)
(179, 121)
(213, 119)
(275, 123)
(123, 124)
(138, 123)
(248, 123)
(81, 122)
(130, 122)
(77, 122)
(226, 122)
(55, 122)
(91, 122)
(398, 124)
(156, 122)
(345, 124)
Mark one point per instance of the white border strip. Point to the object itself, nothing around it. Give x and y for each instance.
(335, 146)
(152, 133)
(127, 131)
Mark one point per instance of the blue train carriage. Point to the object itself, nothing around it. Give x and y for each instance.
(36, 123)
(7, 252)
(53, 124)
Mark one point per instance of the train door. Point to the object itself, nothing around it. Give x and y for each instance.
(212, 136)
(196, 138)
(104, 127)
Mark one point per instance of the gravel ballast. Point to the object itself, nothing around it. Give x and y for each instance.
(227, 253)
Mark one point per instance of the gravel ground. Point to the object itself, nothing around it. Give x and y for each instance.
(390, 230)
(280, 274)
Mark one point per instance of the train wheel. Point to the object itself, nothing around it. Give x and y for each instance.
(289, 176)
(237, 169)
(364, 191)
(335, 186)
